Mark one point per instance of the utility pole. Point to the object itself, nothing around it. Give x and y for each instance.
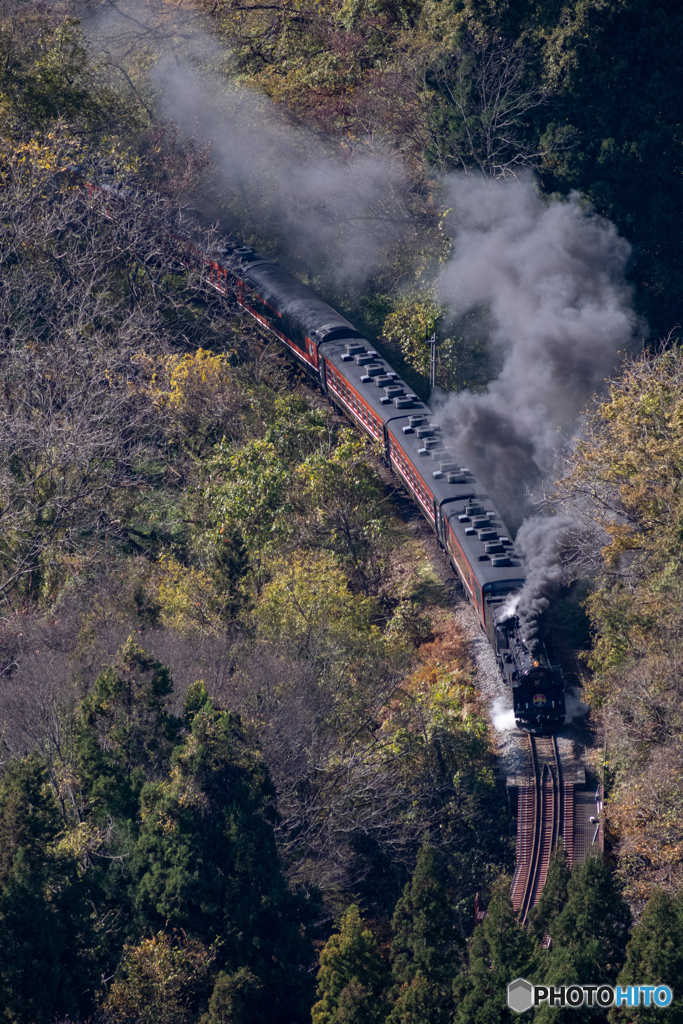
(432, 359)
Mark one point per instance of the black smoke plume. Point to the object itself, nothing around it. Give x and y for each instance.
(542, 541)
(551, 278)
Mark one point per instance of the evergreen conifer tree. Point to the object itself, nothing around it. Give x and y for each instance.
(126, 733)
(655, 956)
(47, 966)
(595, 920)
(500, 951)
(352, 977)
(554, 895)
(588, 936)
(205, 862)
(426, 949)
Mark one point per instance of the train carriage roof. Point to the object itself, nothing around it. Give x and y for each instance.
(454, 497)
(451, 497)
(336, 352)
(290, 297)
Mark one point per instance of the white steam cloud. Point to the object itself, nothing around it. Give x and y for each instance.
(575, 708)
(551, 277)
(502, 716)
(341, 215)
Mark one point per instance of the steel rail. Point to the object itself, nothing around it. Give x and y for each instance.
(547, 816)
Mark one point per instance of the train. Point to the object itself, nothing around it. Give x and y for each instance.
(366, 388)
(466, 521)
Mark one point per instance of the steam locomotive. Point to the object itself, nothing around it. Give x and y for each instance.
(536, 683)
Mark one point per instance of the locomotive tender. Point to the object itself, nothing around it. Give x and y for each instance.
(367, 389)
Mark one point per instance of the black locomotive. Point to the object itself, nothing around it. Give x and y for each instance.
(536, 684)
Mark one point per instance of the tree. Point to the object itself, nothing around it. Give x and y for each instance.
(339, 499)
(48, 965)
(231, 568)
(589, 935)
(249, 495)
(205, 862)
(623, 481)
(500, 951)
(623, 484)
(308, 609)
(654, 956)
(554, 895)
(233, 998)
(426, 944)
(47, 75)
(199, 395)
(352, 977)
(616, 78)
(489, 99)
(595, 918)
(410, 325)
(164, 980)
(126, 734)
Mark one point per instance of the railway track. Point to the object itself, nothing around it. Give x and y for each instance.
(539, 824)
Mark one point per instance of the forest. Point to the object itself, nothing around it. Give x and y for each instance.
(246, 771)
